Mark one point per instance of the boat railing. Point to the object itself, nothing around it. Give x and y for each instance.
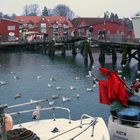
(44, 109)
(92, 124)
(27, 103)
(132, 123)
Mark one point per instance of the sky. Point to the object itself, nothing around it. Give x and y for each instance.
(82, 8)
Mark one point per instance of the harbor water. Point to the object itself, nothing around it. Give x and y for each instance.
(36, 76)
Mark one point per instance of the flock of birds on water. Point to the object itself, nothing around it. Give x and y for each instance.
(58, 88)
(90, 74)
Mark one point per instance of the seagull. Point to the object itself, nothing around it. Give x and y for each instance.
(123, 65)
(119, 71)
(58, 88)
(52, 79)
(90, 73)
(78, 96)
(77, 78)
(39, 76)
(12, 72)
(55, 96)
(93, 66)
(72, 87)
(94, 85)
(64, 99)
(3, 83)
(51, 103)
(18, 95)
(138, 72)
(89, 89)
(16, 77)
(49, 85)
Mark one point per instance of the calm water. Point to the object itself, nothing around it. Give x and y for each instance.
(27, 66)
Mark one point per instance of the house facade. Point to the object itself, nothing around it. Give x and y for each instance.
(44, 27)
(9, 30)
(114, 29)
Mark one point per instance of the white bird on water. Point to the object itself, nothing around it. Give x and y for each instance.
(58, 88)
(89, 89)
(39, 76)
(64, 99)
(72, 87)
(51, 103)
(16, 77)
(3, 83)
(49, 85)
(138, 72)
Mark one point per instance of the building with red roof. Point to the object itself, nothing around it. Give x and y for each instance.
(48, 26)
(9, 30)
(114, 28)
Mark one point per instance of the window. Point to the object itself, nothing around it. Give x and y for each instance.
(43, 28)
(11, 28)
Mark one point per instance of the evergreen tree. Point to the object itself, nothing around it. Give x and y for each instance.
(45, 11)
(112, 15)
(116, 16)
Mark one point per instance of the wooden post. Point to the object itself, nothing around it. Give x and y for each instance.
(102, 55)
(114, 56)
(90, 55)
(124, 55)
(74, 50)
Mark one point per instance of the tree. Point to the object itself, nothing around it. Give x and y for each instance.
(45, 11)
(26, 10)
(63, 10)
(116, 16)
(13, 16)
(31, 10)
(113, 16)
(1, 14)
(106, 14)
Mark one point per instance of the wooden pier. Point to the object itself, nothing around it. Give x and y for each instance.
(128, 50)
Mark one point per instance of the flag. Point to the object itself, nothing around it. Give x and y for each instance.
(116, 87)
(103, 92)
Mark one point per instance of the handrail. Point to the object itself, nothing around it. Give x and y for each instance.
(86, 115)
(27, 103)
(42, 109)
(92, 123)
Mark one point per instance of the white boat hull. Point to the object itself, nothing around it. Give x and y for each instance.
(119, 131)
(67, 130)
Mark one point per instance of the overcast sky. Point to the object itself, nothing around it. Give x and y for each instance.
(82, 8)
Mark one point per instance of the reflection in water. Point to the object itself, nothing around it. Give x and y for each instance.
(36, 70)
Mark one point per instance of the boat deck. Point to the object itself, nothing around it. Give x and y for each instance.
(68, 131)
